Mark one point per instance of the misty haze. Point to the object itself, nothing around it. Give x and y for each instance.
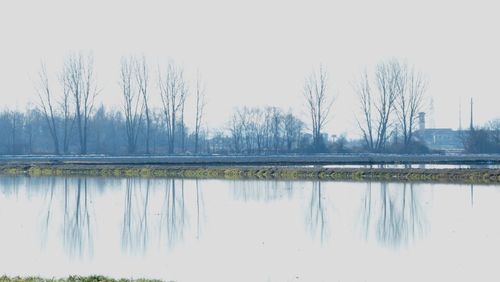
(249, 141)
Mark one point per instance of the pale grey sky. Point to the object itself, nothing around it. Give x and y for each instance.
(258, 52)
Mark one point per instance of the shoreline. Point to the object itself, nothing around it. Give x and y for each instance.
(452, 175)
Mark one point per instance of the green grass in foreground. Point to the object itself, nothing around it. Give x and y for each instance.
(71, 279)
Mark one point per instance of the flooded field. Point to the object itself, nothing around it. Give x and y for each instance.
(248, 230)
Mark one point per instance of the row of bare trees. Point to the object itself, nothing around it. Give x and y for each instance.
(268, 130)
(390, 102)
(71, 102)
(173, 89)
(79, 90)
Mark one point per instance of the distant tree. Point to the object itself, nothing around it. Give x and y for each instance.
(275, 121)
(483, 140)
(318, 103)
(142, 79)
(200, 109)
(79, 78)
(68, 119)
(292, 127)
(478, 141)
(46, 107)
(132, 106)
(410, 89)
(377, 109)
(236, 130)
(339, 145)
(173, 93)
(494, 129)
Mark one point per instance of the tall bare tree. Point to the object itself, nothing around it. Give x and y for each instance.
(318, 103)
(411, 88)
(47, 108)
(142, 79)
(132, 105)
(366, 124)
(68, 118)
(377, 109)
(200, 109)
(173, 93)
(80, 79)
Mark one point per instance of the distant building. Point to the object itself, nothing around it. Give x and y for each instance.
(445, 139)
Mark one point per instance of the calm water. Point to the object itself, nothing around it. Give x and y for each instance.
(222, 230)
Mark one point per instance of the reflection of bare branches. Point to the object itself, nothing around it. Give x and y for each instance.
(366, 210)
(400, 217)
(135, 231)
(472, 195)
(10, 185)
(262, 190)
(173, 215)
(76, 228)
(317, 215)
(388, 227)
(200, 208)
(46, 221)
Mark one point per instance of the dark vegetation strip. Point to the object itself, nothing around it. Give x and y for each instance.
(71, 279)
(319, 159)
(256, 172)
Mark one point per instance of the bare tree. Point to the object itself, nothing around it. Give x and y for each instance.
(173, 93)
(318, 104)
(388, 76)
(276, 122)
(200, 108)
(142, 79)
(132, 106)
(182, 128)
(68, 118)
(45, 96)
(236, 129)
(292, 129)
(377, 109)
(366, 125)
(410, 98)
(80, 79)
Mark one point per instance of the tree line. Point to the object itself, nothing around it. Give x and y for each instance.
(485, 139)
(68, 120)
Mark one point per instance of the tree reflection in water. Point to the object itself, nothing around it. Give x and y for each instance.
(167, 203)
(200, 208)
(316, 213)
(173, 212)
(472, 195)
(135, 229)
(49, 193)
(366, 211)
(398, 217)
(77, 233)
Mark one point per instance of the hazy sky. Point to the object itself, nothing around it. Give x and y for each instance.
(258, 52)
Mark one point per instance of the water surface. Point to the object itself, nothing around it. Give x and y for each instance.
(248, 230)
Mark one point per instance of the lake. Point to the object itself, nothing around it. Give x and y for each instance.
(248, 230)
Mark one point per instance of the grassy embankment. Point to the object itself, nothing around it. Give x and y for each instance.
(255, 172)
